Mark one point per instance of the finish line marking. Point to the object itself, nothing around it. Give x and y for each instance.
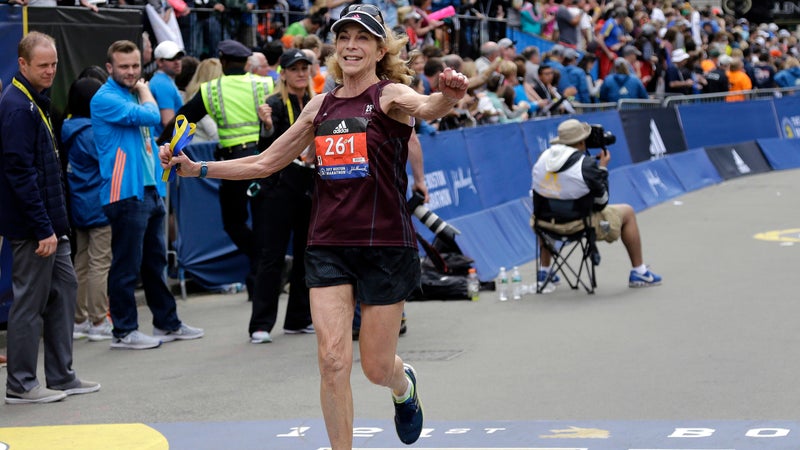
(791, 235)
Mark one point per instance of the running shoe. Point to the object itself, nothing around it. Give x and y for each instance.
(408, 414)
(646, 279)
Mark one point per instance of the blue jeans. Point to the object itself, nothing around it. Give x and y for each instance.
(138, 246)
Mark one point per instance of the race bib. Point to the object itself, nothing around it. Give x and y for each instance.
(341, 149)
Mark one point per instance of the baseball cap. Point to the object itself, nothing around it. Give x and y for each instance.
(725, 60)
(362, 18)
(506, 43)
(290, 57)
(234, 50)
(167, 50)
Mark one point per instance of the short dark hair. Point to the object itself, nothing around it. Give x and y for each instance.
(123, 46)
(317, 19)
(433, 66)
(273, 51)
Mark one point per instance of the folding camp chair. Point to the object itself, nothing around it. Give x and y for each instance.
(574, 252)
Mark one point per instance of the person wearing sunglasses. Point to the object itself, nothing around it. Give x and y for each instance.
(361, 241)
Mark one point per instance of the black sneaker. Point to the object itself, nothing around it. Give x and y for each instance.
(408, 415)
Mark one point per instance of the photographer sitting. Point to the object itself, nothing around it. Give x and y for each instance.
(567, 180)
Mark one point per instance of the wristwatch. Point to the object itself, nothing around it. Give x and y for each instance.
(203, 169)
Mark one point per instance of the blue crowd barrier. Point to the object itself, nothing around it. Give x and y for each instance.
(787, 112)
(204, 250)
(655, 181)
(707, 124)
(693, 169)
(497, 153)
(622, 190)
(538, 134)
(10, 35)
(781, 153)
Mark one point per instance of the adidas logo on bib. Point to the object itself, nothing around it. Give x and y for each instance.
(341, 128)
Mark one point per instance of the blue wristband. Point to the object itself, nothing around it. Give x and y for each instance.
(203, 169)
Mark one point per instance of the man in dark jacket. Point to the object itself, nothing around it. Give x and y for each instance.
(34, 219)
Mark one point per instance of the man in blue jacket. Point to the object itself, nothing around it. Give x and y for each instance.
(123, 114)
(34, 220)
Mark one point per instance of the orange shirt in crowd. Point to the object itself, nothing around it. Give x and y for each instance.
(739, 81)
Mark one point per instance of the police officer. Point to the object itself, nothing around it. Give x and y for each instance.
(232, 101)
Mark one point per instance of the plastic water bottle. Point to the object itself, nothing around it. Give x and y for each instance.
(516, 283)
(502, 285)
(473, 285)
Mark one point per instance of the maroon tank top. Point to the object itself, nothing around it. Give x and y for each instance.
(360, 194)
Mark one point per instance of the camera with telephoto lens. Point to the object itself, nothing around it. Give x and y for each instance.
(600, 138)
(440, 228)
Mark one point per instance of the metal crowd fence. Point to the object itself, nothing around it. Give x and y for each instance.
(670, 101)
(753, 94)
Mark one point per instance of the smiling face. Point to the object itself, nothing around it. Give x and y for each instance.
(40, 69)
(357, 50)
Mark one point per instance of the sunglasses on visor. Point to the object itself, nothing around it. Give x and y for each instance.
(369, 9)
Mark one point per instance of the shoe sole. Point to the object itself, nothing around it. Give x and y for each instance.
(50, 399)
(99, 337)
(285, 331)
(134, 347)
(85, 390)
(260, 341)
(643, 284)
(171, 338)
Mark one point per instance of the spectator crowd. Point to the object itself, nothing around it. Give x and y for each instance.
(603, 51)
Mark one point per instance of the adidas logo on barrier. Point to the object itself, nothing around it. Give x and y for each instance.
(341, 128)
(741, 166)
(657, 147)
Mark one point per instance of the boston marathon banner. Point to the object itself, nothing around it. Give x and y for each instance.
(652, 133)
(788, 111)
